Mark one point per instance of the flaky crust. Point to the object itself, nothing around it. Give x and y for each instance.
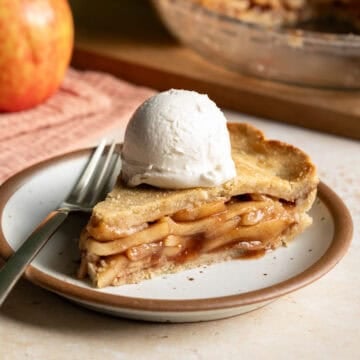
(263, 166)
(280, 13)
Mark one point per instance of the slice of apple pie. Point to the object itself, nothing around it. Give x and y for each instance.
(137, 233)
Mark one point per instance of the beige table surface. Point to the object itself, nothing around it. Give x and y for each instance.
(321, 321)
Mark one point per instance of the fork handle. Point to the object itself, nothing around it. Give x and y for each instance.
(17, 263)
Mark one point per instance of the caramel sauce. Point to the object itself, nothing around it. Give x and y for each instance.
(192, 250)
(252, 254)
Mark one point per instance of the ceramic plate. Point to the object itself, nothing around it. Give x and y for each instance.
(206, 293)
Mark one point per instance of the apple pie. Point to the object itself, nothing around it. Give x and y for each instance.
(137, 233)
(282, 13)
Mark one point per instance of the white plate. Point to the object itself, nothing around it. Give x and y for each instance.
(205, 293)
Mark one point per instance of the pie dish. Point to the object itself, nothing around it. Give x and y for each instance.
(282, 53)
(138, 233)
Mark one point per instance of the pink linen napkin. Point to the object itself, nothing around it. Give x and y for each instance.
(87, 105)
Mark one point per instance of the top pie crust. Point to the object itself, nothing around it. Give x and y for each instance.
(263, 166)
(277, 13)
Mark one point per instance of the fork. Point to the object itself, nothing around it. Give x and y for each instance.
(96, 178)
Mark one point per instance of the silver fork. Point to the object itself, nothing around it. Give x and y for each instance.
(95, 180)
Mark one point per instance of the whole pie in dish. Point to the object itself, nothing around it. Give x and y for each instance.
(141, 232)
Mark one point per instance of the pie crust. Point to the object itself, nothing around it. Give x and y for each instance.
(282, 13)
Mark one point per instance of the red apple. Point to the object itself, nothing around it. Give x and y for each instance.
(36, 41)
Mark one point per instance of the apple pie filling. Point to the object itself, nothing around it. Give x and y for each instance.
(248, 223)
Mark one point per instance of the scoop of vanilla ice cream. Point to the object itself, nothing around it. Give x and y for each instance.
(177, 139)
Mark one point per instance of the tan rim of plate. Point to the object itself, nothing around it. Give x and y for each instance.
(340, 243)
